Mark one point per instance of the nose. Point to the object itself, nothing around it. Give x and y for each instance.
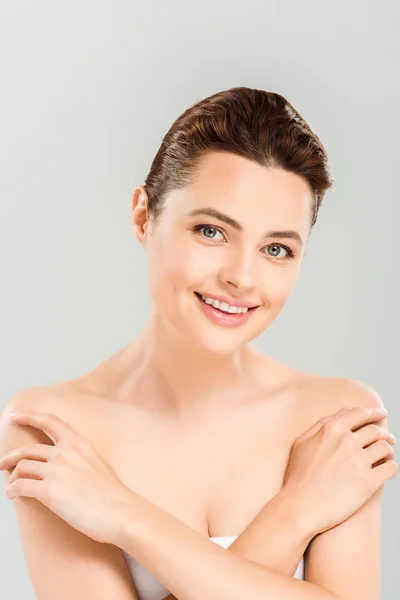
(239, 272)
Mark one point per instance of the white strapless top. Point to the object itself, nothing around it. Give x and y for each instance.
(149, 588)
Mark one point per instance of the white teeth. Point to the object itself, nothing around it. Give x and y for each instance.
(223, 305)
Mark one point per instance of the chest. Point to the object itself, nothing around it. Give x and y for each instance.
(214, 474)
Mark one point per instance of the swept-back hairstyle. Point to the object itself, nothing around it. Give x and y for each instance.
(258, 125)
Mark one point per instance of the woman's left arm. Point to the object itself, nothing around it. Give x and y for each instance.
(345, 559)
(351, 549)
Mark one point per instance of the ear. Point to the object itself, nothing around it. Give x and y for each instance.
(140, 215)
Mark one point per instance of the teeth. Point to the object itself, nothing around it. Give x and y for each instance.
(223, 305)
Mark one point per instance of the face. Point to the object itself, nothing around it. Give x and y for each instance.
(232, 253)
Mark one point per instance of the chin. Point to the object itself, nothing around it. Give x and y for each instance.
(223, 342)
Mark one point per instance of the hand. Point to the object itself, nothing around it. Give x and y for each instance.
(338, 464)
(70, 478)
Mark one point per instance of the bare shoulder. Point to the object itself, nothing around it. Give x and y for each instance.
(25, 400)
(315, 395)
(62, 399)
(325, 395)
(47, 539)
(341, 392)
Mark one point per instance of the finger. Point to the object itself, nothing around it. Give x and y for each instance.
(54, 427)
(371, 433)
(28, 468)
(386, 471)
(318, 424)
(358, 416)
(377, 451)
(36, 452)
(30, 488)
(314, 428)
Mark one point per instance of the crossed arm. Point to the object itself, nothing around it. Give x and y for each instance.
(343, 564)
(276, 537)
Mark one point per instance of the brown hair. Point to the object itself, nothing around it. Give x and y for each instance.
(259, 125)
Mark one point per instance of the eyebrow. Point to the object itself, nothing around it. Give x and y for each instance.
(213, 212)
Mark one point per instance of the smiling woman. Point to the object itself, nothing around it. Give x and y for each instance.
(190, 436)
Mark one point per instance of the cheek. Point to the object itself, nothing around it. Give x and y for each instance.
(280, 289)
(171, 267)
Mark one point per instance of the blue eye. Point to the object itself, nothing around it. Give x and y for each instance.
(210, 228)
(288, 250)
(198, 228)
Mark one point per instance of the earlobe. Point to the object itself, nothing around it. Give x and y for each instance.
(140, 217)
(140, 234)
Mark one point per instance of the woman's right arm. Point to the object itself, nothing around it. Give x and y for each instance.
(277, 537)
(62, 562)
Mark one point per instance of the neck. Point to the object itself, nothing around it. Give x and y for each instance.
(165, 371)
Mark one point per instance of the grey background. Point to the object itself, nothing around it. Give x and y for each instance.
(87, 91)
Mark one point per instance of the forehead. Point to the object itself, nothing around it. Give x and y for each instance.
(240, 186)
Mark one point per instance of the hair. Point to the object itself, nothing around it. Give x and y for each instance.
(258, 125)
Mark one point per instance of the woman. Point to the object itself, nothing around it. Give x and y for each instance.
(217, 444)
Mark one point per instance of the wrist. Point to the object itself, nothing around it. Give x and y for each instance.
(297, 514)
(125, 517)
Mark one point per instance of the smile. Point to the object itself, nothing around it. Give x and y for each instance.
(223, 316)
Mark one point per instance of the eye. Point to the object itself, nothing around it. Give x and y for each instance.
(209, 229)
(210, 233)
(276, 247)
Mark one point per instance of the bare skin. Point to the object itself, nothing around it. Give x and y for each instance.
(214, 472)
(189, 414)
(194, 467)
(203, 405)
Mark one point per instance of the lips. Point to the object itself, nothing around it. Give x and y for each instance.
(222, 318)
(222, 311)
(241, 305)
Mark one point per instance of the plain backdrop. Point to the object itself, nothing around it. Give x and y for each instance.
(88, 89)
